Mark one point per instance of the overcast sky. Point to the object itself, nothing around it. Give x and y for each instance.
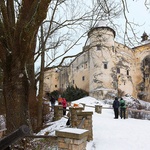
(138, 14)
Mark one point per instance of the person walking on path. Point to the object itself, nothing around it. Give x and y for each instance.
(52, 100)
(122, 108)
(116, 107)
(64, 104)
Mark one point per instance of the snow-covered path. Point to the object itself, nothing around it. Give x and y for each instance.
(109, 133)
(119, 134)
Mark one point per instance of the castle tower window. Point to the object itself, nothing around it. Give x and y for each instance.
(127, 72)
(99, 47)
(113, 48)
(55, 86)
(99, 36)
(118, 70)
(83, 78)
(105, 65)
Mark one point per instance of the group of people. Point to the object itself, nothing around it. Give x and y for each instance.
(61, 101)
(119, 104)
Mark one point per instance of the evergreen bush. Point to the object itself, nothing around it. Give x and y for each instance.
(73, 93)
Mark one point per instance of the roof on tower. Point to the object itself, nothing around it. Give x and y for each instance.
(102, 24)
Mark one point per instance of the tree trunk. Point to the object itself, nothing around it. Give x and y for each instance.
(32, 95)
(19, 93)
(40, 96)
(17, 47)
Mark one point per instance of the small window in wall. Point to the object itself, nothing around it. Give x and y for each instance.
(118, 70)
(99, 36)
(105, 65)
(55, 86)
(99, 47)
(113, 48)
(127, 72)
(85, 65)
(83, 78)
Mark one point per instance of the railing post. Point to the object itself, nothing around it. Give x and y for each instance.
(87, 122)
(58, 112)
(73, 115)
(98, 109)
(72, 139)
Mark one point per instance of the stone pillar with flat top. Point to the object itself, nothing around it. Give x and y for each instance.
(72, 139)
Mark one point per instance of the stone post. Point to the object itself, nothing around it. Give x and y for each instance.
(72, 139)
(58, 112)
(87, 124)
(73, 115)
(98, 109)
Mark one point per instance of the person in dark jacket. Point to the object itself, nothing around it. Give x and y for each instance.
(122, 108)
(116, 107)
(52, 100)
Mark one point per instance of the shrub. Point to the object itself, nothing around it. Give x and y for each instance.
(73, 93)
(55, 94)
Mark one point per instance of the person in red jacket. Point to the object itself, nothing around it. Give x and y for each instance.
(64, 104)
(60, 100)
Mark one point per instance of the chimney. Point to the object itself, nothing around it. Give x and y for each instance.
(144, 37)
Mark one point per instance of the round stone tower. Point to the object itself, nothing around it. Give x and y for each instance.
(102, 53)
(102, 34)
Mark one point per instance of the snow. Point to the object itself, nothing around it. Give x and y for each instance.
(115, 134)
(74, 130)
(110, 133)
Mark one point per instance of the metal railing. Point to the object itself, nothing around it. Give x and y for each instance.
(14, 136)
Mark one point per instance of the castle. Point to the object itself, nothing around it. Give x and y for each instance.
(105, 67)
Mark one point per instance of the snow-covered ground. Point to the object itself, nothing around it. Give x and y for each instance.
(109, 133)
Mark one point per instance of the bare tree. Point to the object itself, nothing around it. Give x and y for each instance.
(130, 36)
(67, 23)
(19, 24)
